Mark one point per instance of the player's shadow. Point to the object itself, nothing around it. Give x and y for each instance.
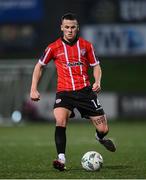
(117, 167)
(114, 167)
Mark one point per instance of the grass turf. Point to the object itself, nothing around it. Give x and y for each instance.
(27, 152)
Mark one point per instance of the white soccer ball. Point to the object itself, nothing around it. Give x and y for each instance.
(92, 161)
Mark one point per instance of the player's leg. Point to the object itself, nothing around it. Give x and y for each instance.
(61, 116)
(100, 123)
(89, 107)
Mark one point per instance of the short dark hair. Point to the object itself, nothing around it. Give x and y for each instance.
(69, 16)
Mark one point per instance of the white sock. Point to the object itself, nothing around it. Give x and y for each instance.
(61, 157)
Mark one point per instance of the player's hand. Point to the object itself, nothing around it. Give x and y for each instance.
(34, 95)
(96, 87)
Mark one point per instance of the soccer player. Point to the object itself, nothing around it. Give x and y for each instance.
(73, 56)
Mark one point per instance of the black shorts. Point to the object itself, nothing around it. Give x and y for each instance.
(84, 100)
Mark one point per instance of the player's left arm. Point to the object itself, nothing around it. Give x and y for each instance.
(94, 62)
(97, 73)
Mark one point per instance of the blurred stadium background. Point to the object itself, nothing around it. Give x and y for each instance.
(115, 27)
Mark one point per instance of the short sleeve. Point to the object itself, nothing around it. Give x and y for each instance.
(93, 60)
(46, 57)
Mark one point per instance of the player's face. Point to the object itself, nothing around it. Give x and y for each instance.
(70, 29)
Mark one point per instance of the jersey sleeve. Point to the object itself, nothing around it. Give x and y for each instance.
(93, 60)
(46, 57)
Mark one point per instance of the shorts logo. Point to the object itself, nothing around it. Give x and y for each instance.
(58, 101)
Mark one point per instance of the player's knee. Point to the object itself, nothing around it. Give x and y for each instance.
(61, 116)
(61, 122)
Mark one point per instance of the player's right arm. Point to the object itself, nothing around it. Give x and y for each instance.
(34, 94)
(44, 60)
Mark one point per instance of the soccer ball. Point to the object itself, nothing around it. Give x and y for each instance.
(92, 161)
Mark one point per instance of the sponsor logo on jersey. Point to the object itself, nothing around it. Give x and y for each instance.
(74, 64)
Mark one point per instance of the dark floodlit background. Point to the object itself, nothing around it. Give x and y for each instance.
(117, 28)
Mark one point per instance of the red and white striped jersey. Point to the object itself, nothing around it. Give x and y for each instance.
(72, 62)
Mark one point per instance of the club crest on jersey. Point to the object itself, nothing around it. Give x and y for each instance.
(83, 51)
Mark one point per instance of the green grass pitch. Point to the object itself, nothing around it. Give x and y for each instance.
(27, 151)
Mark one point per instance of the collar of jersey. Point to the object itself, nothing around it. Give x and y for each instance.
(70, 43)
